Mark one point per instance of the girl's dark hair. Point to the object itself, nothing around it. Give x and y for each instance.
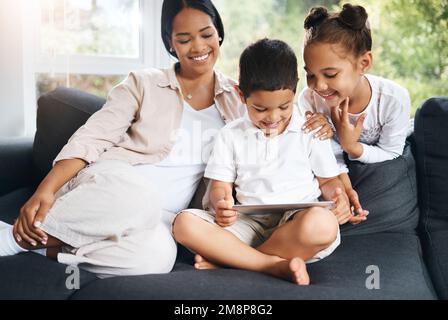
(171, 8)
(349, 28)
(268, 65)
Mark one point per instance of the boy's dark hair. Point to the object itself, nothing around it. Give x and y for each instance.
(171, 8)
(268, 65)
(349, 28)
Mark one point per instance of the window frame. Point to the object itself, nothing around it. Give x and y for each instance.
(151, 54)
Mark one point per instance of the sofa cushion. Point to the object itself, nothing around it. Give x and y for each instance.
(32, 276)
(340, 276)
(431, 133)
(402, 275)
(388, 190)
(431, 151)
(60, 113)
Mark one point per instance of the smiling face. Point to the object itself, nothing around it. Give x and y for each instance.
(335, 74)
(270, 111)
(195, 40)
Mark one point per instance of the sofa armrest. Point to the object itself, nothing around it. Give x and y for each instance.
(16, 164)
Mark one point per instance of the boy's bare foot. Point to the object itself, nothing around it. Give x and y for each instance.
(293, 270)
(202, 264)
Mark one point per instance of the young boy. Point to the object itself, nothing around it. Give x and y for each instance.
(268, 159)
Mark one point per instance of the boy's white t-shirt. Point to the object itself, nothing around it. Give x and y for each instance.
(178, 176)
(281, 169)
(385, 128)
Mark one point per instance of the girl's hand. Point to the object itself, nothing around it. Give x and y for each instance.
(26, 228)
(225, 216)
(359, 214)
(348, 134)
(318, 120)
(342, 210)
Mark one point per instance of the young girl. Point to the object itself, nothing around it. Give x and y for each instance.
(369, 114)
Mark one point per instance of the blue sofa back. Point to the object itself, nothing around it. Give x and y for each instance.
(431, 152)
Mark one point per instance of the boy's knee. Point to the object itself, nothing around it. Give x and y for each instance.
(319, 226)
(183, 226)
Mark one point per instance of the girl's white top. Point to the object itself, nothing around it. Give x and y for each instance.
(386, 125)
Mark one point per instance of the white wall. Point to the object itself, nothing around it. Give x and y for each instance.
(12, 119)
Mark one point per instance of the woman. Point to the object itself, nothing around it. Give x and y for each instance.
(110, 197)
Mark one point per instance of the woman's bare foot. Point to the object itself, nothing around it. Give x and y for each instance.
(293, 270)
(202, 264)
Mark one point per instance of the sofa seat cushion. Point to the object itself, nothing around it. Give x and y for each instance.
(340, 276)
(33, 277)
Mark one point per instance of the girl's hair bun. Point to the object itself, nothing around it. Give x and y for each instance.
(315, 17)
(353, 17)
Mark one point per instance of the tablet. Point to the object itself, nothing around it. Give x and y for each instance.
(281, 208)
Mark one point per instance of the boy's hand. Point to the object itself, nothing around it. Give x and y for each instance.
(26, 228)
(342, 210)
(360, 214)
(225, 216)
(318, 120)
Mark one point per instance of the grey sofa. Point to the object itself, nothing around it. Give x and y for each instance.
(404, 241)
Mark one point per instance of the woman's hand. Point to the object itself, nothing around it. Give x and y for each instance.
(348, 134)
(224, 215)
(33, 212)
(315, 121)
(359, 214)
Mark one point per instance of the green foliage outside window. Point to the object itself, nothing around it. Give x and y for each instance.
(410, 37)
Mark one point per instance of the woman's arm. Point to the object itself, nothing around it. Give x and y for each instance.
(106, 127)
(60, 174)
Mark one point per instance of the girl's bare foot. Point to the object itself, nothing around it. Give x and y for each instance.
(202, 264)
(293, 270)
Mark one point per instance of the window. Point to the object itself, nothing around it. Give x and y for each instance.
(90, 27)
(98, 41)
(90, 45)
